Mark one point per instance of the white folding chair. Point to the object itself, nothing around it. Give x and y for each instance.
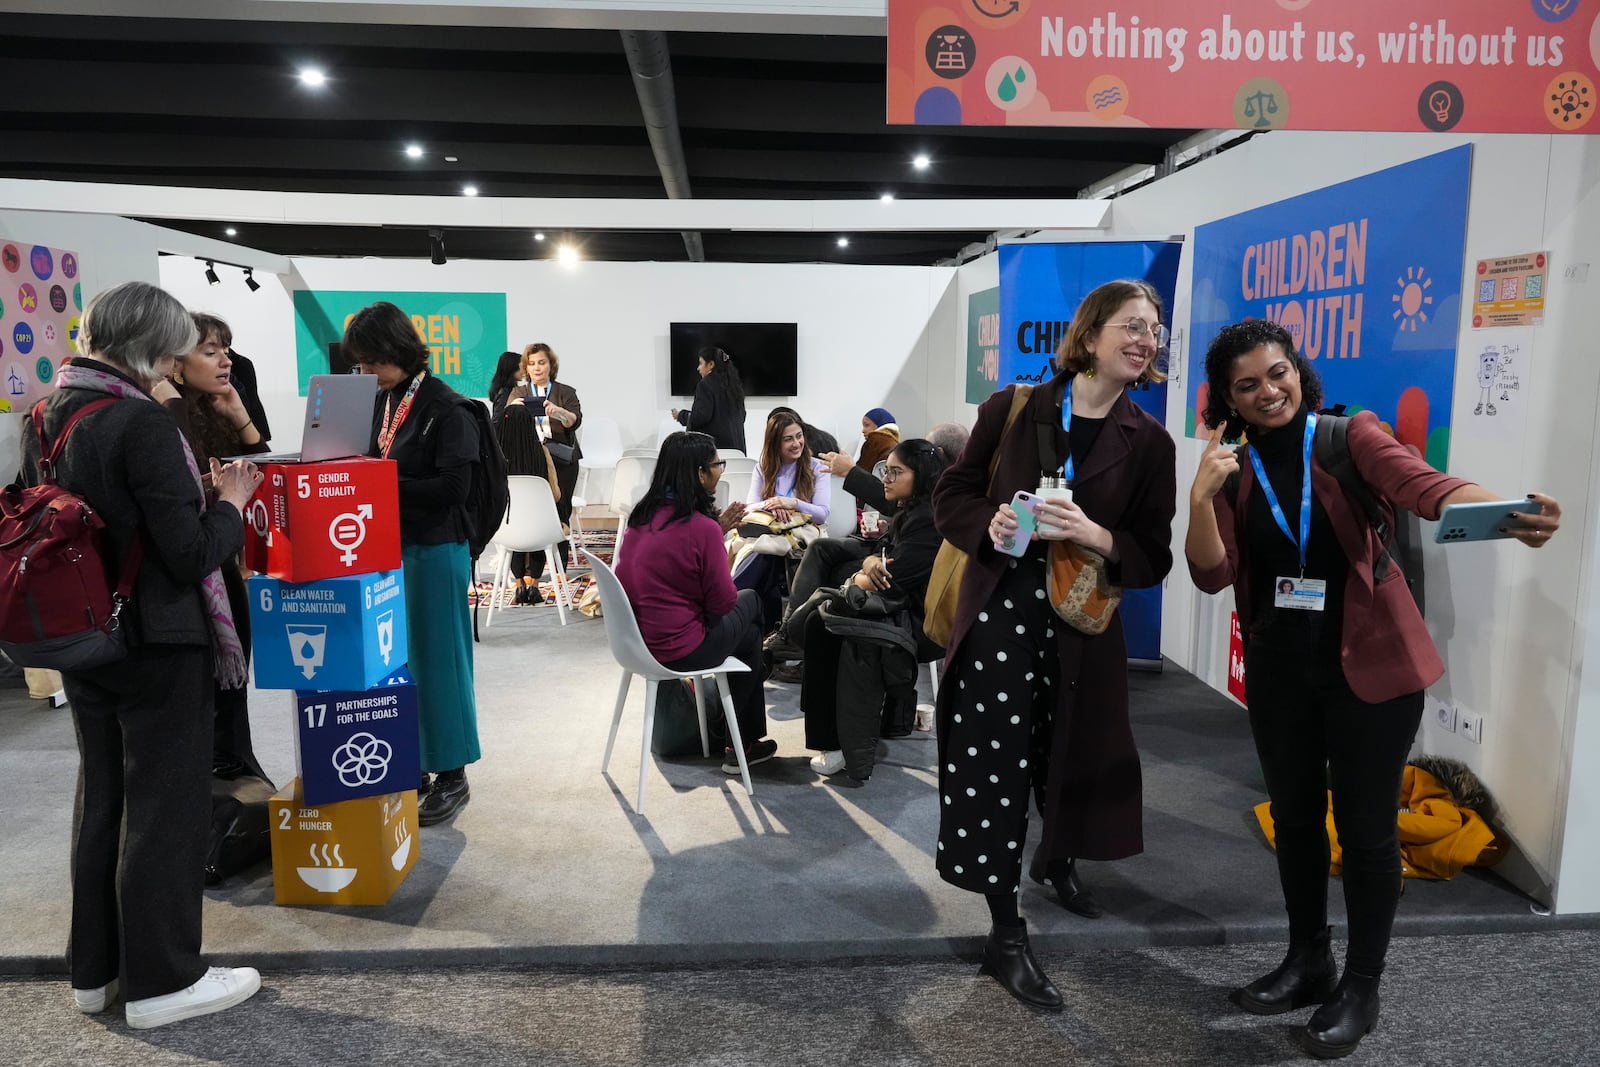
(628, 649)
(531, 525)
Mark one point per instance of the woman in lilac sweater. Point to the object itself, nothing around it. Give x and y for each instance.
(675, 570)
(789, 482)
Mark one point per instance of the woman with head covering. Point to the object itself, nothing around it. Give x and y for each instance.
(879, 434)
(144, 722)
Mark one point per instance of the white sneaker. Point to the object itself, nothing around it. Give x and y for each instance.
(221, 987)
(90, 1001)
(830, 762)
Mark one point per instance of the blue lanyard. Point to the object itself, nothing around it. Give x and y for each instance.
(1305, 494)
(1066, 428)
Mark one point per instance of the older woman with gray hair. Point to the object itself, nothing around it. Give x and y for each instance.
(144, 722)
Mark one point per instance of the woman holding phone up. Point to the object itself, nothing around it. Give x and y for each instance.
(557, 414)
(1336, 655)
(1029, 705)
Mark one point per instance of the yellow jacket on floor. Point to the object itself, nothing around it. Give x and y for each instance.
(1437, 836)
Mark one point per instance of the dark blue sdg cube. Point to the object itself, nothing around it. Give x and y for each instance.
(357, 744)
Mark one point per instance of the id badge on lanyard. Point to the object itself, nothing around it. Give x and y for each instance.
(1295, 592)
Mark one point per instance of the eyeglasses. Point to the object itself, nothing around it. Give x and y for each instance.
(891, 473)
(1138, 328)
(716, 465)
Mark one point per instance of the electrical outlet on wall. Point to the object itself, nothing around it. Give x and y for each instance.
(1471, 726)
(1444, 717)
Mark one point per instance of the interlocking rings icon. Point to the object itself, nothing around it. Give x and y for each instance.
(362, 760)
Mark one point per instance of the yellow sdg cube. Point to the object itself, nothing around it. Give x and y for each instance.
(352, 852)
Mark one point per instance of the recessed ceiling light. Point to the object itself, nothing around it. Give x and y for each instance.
(568, 255)
(469, 190)
(887, 198)
(921, 162)
(450, 159)
(844, 242)
(414, 151)
(231, 232)
(538, 237)
(313, 77)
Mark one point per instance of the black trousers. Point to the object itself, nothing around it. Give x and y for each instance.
(1313, 734)
(737, 634)
(830, 561)
(141, 817)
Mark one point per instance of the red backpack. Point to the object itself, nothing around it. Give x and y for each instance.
(57, 607)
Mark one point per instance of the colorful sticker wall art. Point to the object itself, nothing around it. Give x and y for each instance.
(41, 302)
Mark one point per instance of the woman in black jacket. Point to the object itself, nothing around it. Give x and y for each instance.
(518, 434)
(144, 722)
(854, 686)
(718, 401)
(425, 427)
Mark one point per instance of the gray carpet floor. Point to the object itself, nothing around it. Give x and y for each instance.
(1493, 999)
(551, 865)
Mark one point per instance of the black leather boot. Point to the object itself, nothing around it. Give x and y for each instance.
(1306, 976)
(1008, 960)
(448, 796)
(424, 787)
(1350, 1014)
(1070, 890)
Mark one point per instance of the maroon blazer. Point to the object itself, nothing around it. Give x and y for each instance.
(1386, 650)
(1093, 805)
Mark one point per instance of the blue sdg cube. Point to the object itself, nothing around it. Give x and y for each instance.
(339, 633)
(357, 744)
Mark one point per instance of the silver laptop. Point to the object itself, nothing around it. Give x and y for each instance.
(338, 420)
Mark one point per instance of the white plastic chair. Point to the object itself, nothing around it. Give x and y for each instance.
(737, 476)
(602, 447)
(640, 452)
(628, 485)
(531, 525)
(628, 649)
(841, 510)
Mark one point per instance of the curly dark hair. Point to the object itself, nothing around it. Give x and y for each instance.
(1233, 342)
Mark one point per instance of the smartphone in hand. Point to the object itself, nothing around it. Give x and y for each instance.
(536, 405)
(1023, 504)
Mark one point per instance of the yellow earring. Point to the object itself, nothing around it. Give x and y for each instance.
(177, 376)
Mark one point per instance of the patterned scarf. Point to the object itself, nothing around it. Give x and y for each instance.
(232, 670)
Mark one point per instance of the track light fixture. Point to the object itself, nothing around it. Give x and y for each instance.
(250, 282)
(436, 247)
(211, 274)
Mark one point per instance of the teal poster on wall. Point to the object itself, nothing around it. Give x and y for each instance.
(983, 344)
(465, 332)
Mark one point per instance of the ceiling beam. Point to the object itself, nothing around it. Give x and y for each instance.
(848, 216)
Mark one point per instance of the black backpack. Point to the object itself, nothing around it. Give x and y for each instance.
(489, 497)
(1398, 530)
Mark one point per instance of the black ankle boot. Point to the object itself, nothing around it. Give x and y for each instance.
(1008, 960)
(448, 796)
(1070, 890)
(1338, 1026)
(1306, 976)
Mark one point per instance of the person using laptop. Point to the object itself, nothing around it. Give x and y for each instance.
(218, 424)
(424, 426)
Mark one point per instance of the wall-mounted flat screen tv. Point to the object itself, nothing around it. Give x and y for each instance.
(765, 353)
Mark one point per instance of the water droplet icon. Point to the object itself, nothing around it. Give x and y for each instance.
(1007, 90)
(1022, 74)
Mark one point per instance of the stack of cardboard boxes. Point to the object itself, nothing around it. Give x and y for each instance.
(328, 621)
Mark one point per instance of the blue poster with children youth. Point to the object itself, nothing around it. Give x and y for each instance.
(1041, 286)
(1366, 276)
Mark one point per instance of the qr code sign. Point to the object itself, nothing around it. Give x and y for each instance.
(1533, 287)
(1509, 288)
(1486, 291)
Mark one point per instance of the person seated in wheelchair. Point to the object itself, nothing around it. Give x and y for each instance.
(863, 640)
(674, 568)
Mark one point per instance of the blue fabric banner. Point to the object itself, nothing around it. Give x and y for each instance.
(1041, 286)
(1366, 276)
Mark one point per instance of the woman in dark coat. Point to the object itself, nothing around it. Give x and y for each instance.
(514, 426)
(1027, 703)
(144, 722)
(848, 681)
(424, 426)
(718, 401)
(557, 414)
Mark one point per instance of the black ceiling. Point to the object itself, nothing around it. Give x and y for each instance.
(527, 112)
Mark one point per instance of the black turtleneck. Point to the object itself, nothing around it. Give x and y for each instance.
(1272, 555)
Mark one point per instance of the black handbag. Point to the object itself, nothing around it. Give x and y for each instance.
(559, 452)
(240, 837)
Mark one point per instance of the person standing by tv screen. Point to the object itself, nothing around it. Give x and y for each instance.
(718, 401)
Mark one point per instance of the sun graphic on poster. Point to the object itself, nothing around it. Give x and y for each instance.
(1411, 298)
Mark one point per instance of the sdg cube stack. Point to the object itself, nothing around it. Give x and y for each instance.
(328, 621)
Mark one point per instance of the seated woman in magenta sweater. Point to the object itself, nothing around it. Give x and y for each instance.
(675, 570)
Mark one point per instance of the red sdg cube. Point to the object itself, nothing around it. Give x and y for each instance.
(311, 521)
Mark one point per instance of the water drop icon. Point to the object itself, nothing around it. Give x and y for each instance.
(1022, 74)
(1007, 90)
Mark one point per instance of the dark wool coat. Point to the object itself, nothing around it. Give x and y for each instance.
(1092, 795)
